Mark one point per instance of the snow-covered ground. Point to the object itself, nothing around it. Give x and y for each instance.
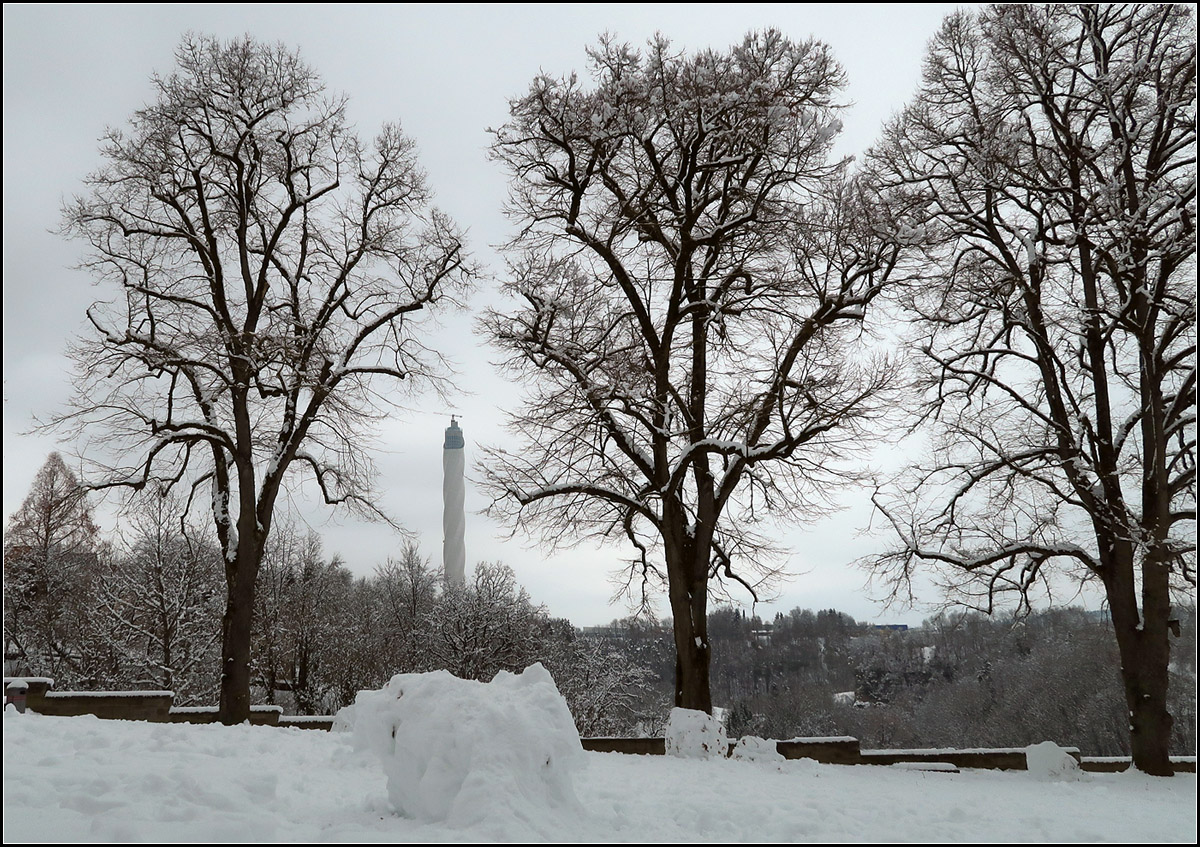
(84, 779)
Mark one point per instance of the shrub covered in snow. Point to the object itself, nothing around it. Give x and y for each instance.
(461, 751)
(1049, 761)
(692, 734)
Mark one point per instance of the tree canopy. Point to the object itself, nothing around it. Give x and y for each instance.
(1045, 180)
(690, 277)
(267, 271)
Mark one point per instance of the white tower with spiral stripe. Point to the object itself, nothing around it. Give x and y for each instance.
(454, 552)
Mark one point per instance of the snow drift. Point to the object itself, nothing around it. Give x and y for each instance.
(462, 752)
(85, 780)
(751, 748)
(1049, 761)
(692, 734)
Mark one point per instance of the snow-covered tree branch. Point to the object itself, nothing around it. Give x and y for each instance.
(691, 280)
(267, 272)
(1045, 175)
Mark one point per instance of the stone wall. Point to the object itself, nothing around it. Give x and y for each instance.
(829, 751)
(1009, 759)
(640, 746)
(117, 705)
(127, 705)
(157, 706)
(259, 715)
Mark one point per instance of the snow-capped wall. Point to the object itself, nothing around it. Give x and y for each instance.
(462, 751)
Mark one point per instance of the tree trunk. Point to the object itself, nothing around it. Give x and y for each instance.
(235, 654)
(689, 607)
(1145, 682)
(300, 694)
(1145, 654)
(236, 627)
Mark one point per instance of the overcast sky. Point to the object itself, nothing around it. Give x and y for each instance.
(446, 73)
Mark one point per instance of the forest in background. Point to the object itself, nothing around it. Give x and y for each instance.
(142, 609)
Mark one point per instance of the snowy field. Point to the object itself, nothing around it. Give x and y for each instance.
(83, 779)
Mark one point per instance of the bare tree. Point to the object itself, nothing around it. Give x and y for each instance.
(303, 606)
(272, 596)
(1046, 172)
(406, 592)
(603, 688)
(691, 277)
(269, 270)
(158, 600)
(408, 586)
(50, 563)
(483, 627)
(305, 639)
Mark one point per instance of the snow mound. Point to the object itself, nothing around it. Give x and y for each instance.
(1049, 761)
(751, 748)
(692, 734)
(464, 752)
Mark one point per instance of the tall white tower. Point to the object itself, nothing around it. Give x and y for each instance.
(454, 551)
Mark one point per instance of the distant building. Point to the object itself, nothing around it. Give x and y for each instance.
(454, 553)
